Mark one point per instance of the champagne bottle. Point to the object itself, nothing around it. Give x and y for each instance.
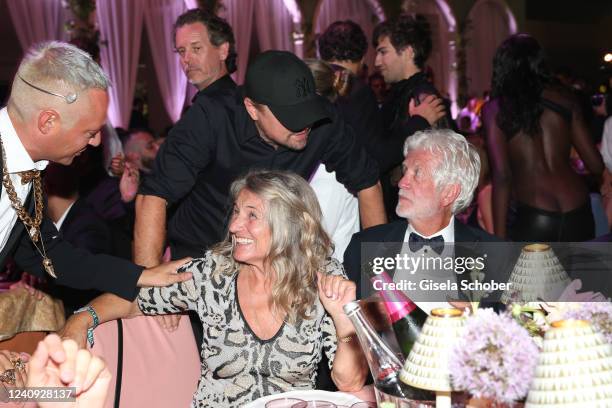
(384, 365)
(406, 317)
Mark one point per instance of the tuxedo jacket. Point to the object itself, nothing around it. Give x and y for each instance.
(74, 267)
(393, 235)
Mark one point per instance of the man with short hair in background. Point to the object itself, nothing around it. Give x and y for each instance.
(403, 45)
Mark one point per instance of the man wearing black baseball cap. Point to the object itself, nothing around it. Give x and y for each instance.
(275, 121)
(283, 83)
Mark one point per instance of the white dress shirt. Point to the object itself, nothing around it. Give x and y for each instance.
(17, 160)
(448, 233)
(606, 144)
(340, 209)
(60, 222)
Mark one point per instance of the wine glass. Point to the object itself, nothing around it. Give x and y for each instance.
(283, 402)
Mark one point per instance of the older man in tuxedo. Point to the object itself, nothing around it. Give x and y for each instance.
(440, 173)
(56, 109)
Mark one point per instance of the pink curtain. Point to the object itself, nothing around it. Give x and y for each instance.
(191, 4)
(37, 21)
(360, 11)
(120, 24)
(297, 35)
(239, 14)
(160, 16)
(492, 22)
(275, 25)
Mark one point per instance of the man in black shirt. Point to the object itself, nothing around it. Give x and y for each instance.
(206, 49)
(343, 45)
(205, 45)
(402, 46)
(276, 121)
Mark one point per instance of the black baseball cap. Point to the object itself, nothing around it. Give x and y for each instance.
(284, 83)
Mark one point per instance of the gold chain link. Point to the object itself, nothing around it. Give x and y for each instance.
(33, 225)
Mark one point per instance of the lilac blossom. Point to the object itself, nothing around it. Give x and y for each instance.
(599, 314)
(495, 358)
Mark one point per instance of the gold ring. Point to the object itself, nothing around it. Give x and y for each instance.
(18, 364)
(8, 377)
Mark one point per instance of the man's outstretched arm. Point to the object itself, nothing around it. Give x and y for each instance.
(149, 230)
(371, 207)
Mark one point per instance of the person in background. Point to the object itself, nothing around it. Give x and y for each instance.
(531, 125)
(379, 87)
(473, 118)
(140, 148)
(343, 46)
(402, 46)
(339, 207)
(77, 223)
(606, 185)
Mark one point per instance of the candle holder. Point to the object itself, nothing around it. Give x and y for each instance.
(538, 274)
(427, 364)
(574, 368)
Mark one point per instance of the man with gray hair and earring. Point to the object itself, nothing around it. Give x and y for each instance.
(57, 106)
(440, 173)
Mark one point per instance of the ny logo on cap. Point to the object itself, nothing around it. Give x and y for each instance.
(303, 88)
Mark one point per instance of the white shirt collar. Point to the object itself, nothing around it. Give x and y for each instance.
(60, 222)
(17, 157)
(448, 232)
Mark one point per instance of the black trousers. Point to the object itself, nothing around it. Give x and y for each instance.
(534, 224)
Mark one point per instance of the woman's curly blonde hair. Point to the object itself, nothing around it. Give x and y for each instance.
(299, 246)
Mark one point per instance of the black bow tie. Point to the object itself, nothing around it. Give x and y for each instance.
(416, 242)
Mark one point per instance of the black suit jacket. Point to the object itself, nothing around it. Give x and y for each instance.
(74, 267)
(83, 228)
(393, 234)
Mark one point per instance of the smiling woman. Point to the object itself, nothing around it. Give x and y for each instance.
(269, 298)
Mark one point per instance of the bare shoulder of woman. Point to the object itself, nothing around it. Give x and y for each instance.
(562, 96)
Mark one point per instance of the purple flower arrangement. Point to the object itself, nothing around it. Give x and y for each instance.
(495, 358)
(599, 314)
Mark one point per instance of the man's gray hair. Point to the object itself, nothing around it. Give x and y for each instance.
(54, 74)
(458, 161)
(59, 61)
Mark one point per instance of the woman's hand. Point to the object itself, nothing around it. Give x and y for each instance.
(349, 367)
(335, 291)
(76, 329)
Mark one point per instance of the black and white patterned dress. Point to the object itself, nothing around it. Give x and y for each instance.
(238, 367)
